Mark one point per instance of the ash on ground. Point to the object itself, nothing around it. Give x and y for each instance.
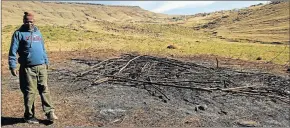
(141, 90)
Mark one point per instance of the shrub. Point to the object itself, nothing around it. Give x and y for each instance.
(171, 47)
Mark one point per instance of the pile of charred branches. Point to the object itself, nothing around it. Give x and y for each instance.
(161, 73)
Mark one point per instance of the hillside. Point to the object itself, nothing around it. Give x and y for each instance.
(267, 23)
(66, 13)
(232, 34)
(257, 24)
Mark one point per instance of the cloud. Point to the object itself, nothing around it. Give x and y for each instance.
(170, 5)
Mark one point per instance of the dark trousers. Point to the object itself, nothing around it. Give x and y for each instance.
(33, 80)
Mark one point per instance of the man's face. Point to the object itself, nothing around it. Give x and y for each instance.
(29, 24)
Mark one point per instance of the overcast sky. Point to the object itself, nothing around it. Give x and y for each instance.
(181, 7)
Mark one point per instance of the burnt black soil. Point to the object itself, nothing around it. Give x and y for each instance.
(134, 90)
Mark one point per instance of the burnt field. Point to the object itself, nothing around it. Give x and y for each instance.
(151, 91)
(142, 90)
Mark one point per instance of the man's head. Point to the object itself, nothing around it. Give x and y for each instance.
(28, 20)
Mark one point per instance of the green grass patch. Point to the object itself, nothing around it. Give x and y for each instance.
(187, 41)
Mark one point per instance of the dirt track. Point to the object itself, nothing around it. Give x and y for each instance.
(112, 104)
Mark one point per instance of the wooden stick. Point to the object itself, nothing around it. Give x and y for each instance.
(190, 81)
(236, 88)
(96, 65)
(159, 90)
(127, 64)
(101, 80)
(185, 87)
(143, 69)
(186, 67)
(175, 64)
(217, 62)
(205, 89)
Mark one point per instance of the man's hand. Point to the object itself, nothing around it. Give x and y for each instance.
(14, 72)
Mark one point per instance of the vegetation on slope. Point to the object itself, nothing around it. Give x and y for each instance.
(147, 32)
(267, 23)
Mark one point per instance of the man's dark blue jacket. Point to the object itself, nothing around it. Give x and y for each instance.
(30, 47)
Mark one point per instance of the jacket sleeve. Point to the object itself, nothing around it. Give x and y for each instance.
(44, 52)
(12, 57)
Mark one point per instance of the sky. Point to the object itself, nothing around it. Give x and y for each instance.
(181, 7)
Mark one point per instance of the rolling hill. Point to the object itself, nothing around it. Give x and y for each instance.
(259, 31)
(260, 23)
(66, 13)
(267, 23)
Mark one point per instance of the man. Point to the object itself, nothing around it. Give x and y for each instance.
(27, 41)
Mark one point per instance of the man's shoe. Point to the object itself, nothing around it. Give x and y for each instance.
(51, 116)
(31, 120)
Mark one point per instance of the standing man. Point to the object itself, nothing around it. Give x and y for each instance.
(27, 41)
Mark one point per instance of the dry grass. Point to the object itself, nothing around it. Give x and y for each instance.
(50, 13)
(76, 33)
(262, 24)
(65, 39)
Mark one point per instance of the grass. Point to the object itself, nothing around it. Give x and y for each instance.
(263, 24)
(67, 27)
(188, 42)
